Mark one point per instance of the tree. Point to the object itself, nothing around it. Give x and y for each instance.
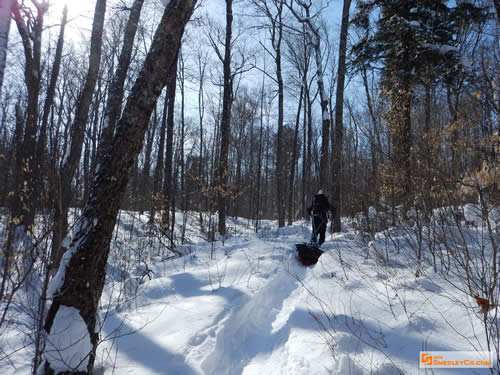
(72, 158)
(299, 52)
(415, 42)
(49, 100)
(114, 103)
(339, 114)
(78, 285)
(222, 169)
(273, 11)
(310, 21)
(497, 7)
(5, 16)
(30, 27)
(168, 196)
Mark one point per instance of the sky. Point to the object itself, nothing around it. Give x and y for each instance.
(80, 14)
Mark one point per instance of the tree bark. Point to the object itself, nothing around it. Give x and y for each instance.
(294, 159)
(222, 169)
(497, 7)
(145, 182)
(158, 176)
(168, 201)
(339, 114)
(115, 95)
(72, 159)
(280, 177)
(315, 39)
(5, 16)
(84, 271)
(32, 44)
(49, 100)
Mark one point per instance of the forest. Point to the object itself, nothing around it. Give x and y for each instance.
(234, 109)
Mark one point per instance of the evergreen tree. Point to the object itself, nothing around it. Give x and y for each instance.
(413, 44)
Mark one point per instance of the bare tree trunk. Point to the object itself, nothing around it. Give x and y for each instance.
(115, 95)
(304, 156)
(8, 257)
(309, 161)
(32, 44)
(280, 178)
(7, 162)
(259, 158)
(146, 171)
(72, 159)
(182, 176)
(339, 114)
(222, 168)
(168, 201)
(202, 65)
(497, 7)
(79, 283)
(49, 100)
(5, 15)
(19, 242)
(294, 159)
(158, 176)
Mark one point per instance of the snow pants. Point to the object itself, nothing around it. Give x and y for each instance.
(319, 223)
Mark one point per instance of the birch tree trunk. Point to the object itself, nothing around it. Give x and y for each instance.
(315, 38)
(78, 285)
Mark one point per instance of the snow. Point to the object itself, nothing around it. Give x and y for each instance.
(253, 309)
(441, 48)
(68, 343)
(58, 280)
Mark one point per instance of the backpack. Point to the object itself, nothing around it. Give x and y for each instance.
(318, 205)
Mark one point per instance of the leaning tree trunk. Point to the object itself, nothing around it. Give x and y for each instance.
(339, 114)
(72, 159)
(115, 95)
(79, 282)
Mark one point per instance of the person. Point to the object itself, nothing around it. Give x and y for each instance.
(319, 211)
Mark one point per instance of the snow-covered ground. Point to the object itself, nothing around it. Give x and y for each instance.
(246, 306)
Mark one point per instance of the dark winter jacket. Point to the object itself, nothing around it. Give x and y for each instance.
(320, 206)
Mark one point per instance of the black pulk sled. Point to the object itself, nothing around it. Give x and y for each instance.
(308, 254)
